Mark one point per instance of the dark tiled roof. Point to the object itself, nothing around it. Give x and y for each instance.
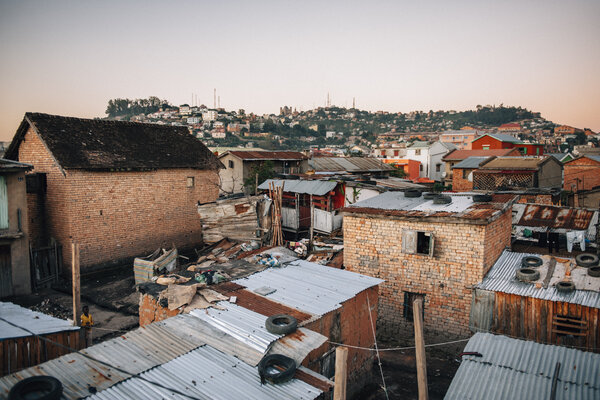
(79, 143)
(267, 155)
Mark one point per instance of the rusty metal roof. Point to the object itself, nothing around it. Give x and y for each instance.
(349, 164)
(514, 163)
(266, 155)
(556, 217)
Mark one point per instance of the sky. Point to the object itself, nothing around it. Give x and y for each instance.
(71, 57)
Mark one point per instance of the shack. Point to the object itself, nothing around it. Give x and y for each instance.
(22, 348)
(541, 309)
(498, 367)
(309, 202)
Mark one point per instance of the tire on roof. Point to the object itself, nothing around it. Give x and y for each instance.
(531, 261)
(586, 260)
(281, 324)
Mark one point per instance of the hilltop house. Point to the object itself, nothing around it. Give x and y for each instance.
(430, 156)
(491, 141)
(118, 189)
(240, 164)
(460, 138)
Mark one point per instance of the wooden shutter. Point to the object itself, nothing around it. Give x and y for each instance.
(3, 204)
(409, 241)
(431, 243)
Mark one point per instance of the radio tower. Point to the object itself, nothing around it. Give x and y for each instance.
(354, 103)
(215, 98)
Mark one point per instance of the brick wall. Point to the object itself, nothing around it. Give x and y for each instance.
(462, 254)
(459, 184)
(581, 174)
(118, 215)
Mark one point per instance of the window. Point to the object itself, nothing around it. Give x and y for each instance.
(486, 147)
(524, 150)
(417, 242)
(537, 151)
(417, 152)
(190, 181)
(409, 298)
(568, 325)
(465, 174)
(421, 167)
(230, 163)
(3, 204)
(438, 167)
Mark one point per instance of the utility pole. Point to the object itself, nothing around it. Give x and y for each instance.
(75, 282)
(312, 219)
(420, 349)
(339, 389)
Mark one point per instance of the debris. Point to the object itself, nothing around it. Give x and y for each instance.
(144, 268)
(171, 279)
(264, 290)
(212, 296)
(179, 295)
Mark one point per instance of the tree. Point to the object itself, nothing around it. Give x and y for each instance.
(265, 170)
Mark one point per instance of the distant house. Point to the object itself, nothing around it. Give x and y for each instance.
(410, 167)
(118, 189)
(430, 156)
(460, 138)
(15, 275)
(349, 165)
(240, 164)
(491, 141)
(456, 156)
(562, 157)
(504, 173)
(510, 127)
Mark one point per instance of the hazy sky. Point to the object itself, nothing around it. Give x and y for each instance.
(71, 57)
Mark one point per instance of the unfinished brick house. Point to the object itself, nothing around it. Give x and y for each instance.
(118, 189)
(517, 173)
(421, 249)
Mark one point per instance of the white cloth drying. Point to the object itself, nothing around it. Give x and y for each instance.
(575, 237)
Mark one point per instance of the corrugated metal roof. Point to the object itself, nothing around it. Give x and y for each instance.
(464, 154)
(37, 322)
(298, 345)
(518, 369)
(501, 278)
(514, 163)
(593, 157)
(503, 137)
(470, 163)
(349, 164)
(419, 144)
(398, 183)
(267, 155)
(310, 287)
(243, 324)
(556, 217)
(206, 373)
(318, 188)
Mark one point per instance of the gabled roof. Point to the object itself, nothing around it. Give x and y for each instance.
(348, 164)
(517, 163)
(266, 155)
(78, 143)
(464, 154)
(470, 163)
(560, 156)
(593, 157)
(499, 367)
(418, 144)
(501, 137)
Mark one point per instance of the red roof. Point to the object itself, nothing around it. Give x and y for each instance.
(459, 155)
(268, 155)
(510, 125)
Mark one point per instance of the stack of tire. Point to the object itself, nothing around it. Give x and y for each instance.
(589, 261)
(277, 368)
(528, 271)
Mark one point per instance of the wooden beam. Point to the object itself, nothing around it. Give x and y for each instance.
(341, 375)
(420, 349)
(75, 282)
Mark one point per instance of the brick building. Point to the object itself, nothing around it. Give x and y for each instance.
(421, 249)
(118, 189)
(517, 173)
(462, 173)
(456, 156)
(582, 173)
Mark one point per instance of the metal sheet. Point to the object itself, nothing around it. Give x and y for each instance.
(348, 164)
(36, 322)
(501, 278)
(318, 188)
(206, 373)
(470, 163)
(398, 201)
(310, 287)
(298, 345)
(518, 369)
(537, 215)
(245, 325)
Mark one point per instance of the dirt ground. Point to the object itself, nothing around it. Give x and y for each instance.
(111, 297)
(399, 371)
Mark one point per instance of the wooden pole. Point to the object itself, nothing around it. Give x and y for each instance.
(75, 283)
(256, 185)
(341, 358)
(420, 349)
(312, 220)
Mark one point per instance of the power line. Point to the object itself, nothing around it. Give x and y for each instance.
(132, 375)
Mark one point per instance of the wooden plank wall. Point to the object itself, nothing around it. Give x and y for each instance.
(20, 353)
(531, 318)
